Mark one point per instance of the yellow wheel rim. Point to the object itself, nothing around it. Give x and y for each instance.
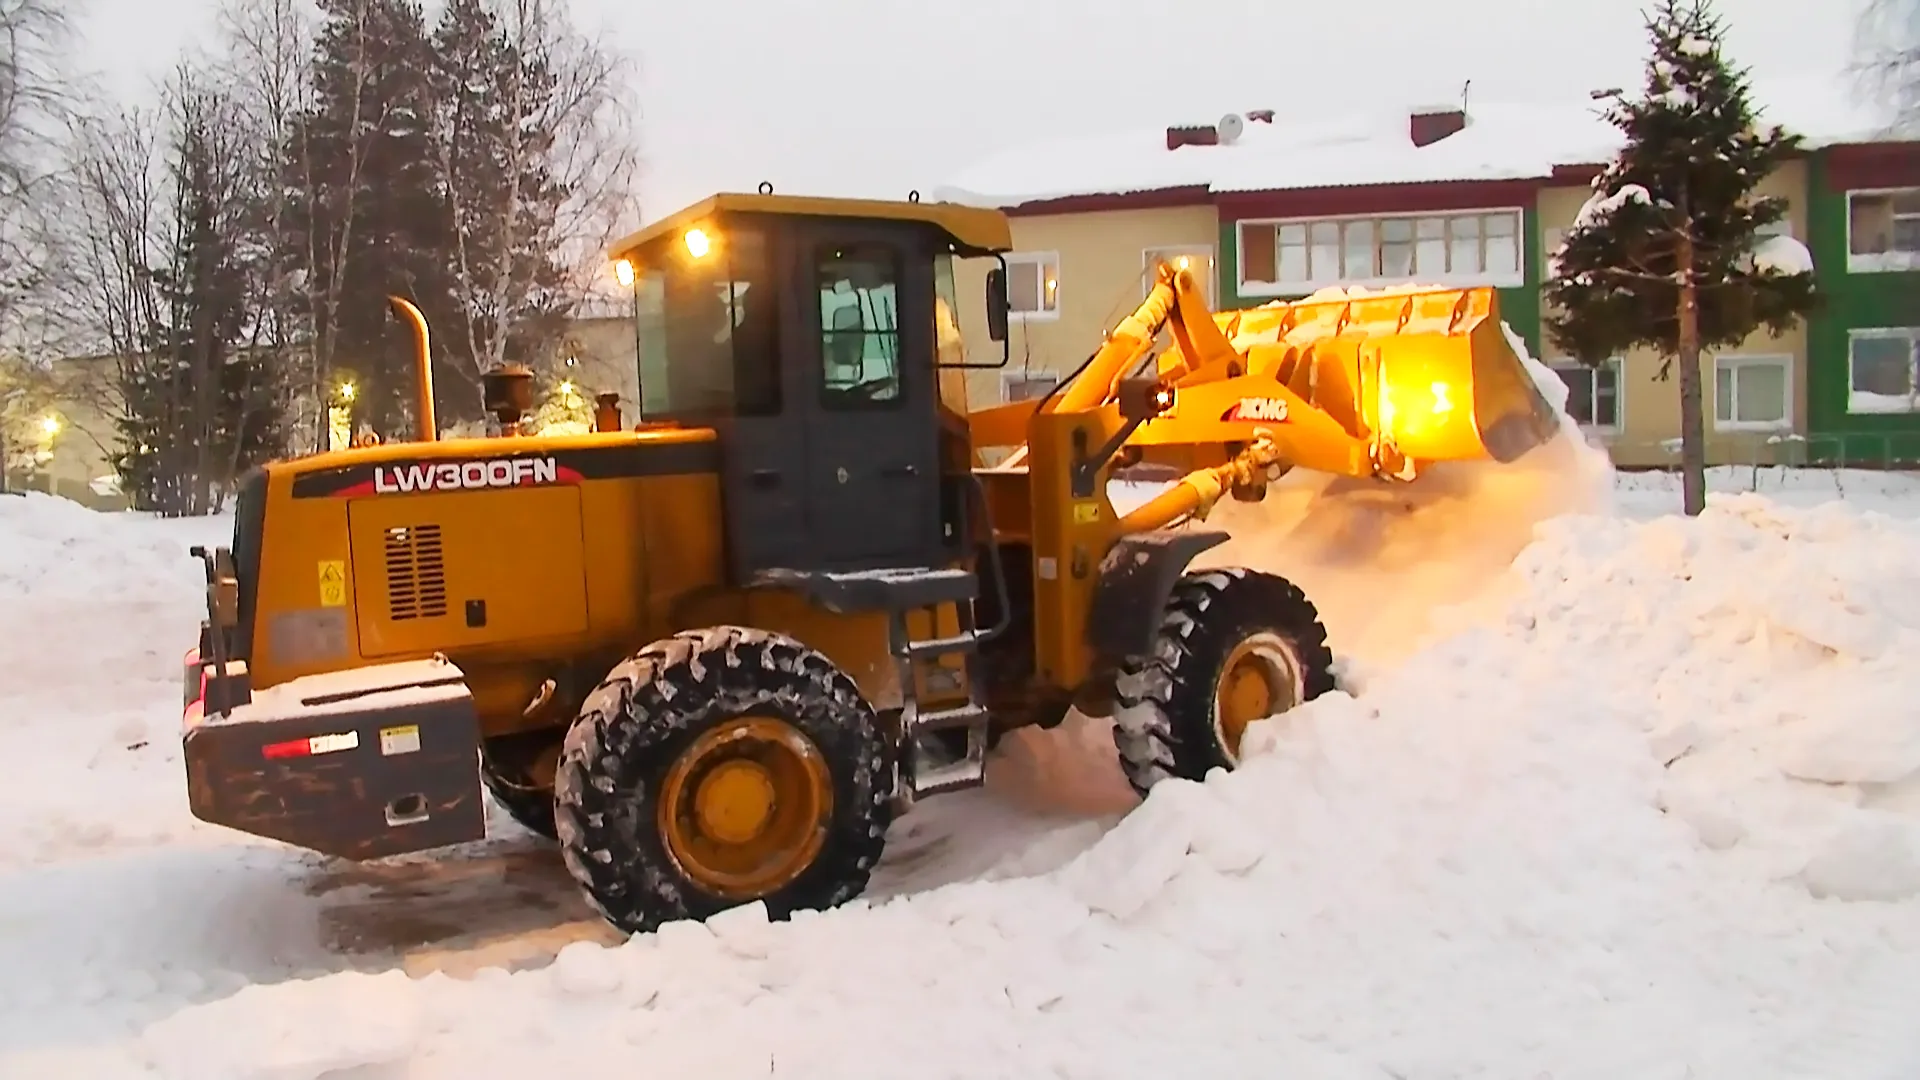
(1259, 679)
(745, 809)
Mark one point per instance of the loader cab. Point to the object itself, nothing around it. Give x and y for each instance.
(808, 342)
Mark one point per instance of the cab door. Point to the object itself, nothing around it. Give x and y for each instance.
(868, 395)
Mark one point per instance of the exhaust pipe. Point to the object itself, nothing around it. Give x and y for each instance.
(422, 369)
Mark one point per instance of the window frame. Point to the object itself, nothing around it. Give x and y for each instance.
(1506, 279)
(1008, 378)
(1617, 365)
(1884, 333)
(1044, 260)
(1880, 262)
(1207, 280)
(1745, 360)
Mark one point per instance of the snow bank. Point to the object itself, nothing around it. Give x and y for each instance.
(96, 610)
(1607, 798)
(55, 549)
(1654, 816)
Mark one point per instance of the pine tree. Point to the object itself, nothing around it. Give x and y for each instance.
(366, 221)
(1666, 253)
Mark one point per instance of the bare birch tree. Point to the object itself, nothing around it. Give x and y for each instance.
(263, 50)
(168, 200)
(538, 157)
(35, 98)
(1887, 59)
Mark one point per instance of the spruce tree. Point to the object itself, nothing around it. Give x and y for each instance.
(366, 219)
(1665, 255)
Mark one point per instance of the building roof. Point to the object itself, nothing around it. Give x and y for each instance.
(1502, 141)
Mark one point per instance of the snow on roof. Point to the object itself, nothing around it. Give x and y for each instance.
(1502, 140)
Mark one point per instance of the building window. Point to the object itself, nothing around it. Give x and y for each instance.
(1593, 393)
(1752, 392)
(1033, 285)
(1883, 230)
(1026, 385)
(1880, 370)
(1195, 257)
(1286, 257)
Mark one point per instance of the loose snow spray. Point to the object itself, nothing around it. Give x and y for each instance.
(1391, 566)
(1383, 561)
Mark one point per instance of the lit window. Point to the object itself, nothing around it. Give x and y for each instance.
(1033, 285)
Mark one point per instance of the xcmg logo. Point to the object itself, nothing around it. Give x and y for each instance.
(468, 475)
(1257, 408)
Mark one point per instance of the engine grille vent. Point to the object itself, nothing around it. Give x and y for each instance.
(416, 573)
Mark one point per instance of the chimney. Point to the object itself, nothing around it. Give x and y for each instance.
(1192, 135)
(1428, 126)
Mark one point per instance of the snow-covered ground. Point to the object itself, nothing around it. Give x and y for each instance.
(1613, 794)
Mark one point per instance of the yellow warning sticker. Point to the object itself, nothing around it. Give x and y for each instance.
(1086, 513)
(333, 583)
(400, 740)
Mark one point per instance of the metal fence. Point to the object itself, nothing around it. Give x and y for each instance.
(1898, 451)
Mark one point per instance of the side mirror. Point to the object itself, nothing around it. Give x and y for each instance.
(997, 305)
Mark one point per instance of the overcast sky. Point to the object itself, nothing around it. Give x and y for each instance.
(875, 97)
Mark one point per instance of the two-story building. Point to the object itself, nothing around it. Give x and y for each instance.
(1273, 207)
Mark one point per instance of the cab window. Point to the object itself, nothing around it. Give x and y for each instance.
(859, 325)
(707, 328)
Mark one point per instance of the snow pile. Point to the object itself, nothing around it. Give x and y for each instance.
(1769, 651)
(54, 549)
(96, 610)
(1478, 864)
(1606, 799)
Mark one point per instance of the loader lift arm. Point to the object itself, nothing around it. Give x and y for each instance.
(1377, 386)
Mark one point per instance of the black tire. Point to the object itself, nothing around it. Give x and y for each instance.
(650, 709)
(507, 779)
(1164, 724)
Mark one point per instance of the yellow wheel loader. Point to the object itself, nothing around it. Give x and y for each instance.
(714, 653)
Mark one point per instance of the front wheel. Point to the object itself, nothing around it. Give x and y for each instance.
(1234, 646)
(717, 767)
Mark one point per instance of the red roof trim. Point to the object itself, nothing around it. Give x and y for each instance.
(1854, 166)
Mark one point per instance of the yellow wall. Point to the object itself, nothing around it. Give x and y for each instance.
(1650, 406)
(82, 445)
(1102, 256)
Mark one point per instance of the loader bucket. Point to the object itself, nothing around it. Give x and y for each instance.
(1433, 371)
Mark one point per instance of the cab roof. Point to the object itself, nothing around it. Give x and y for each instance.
(969, 226)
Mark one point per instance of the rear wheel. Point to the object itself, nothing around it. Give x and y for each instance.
(718, 767)
(1234, 646)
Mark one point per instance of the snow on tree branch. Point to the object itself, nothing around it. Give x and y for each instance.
(1669, 253)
